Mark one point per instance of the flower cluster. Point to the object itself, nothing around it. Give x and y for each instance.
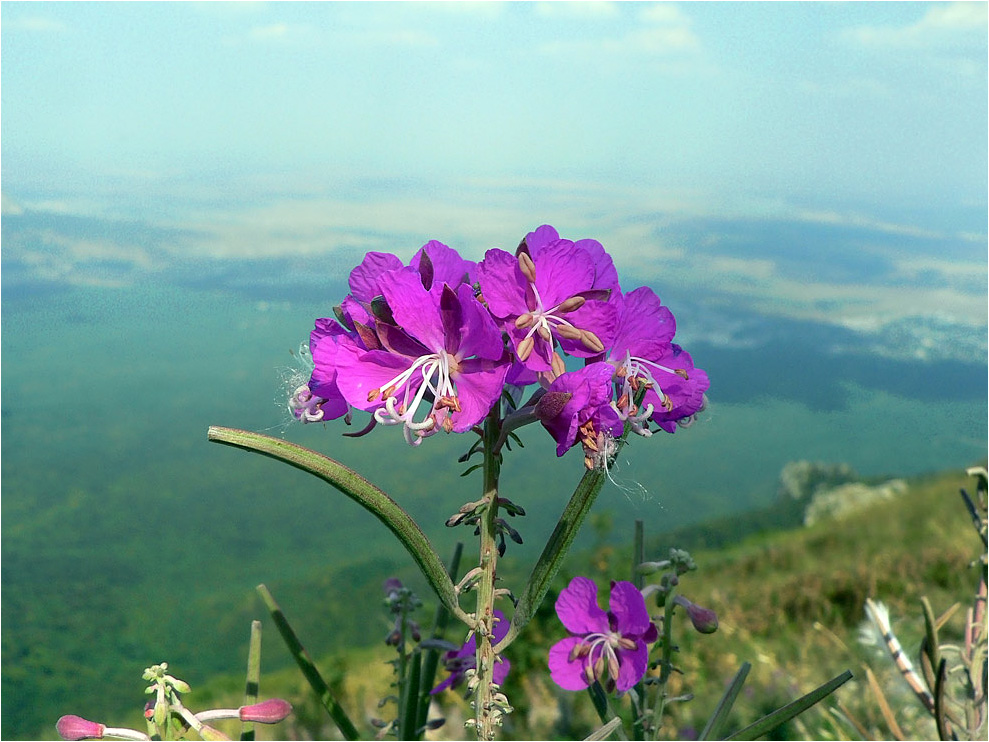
(432, 345)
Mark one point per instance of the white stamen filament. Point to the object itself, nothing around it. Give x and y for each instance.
(545, 318)
(636, 367)
(605, 644)
(428, 366)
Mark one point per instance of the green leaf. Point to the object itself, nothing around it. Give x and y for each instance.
(605, 731)
(553, 553)
(361, 491)
(252, 686)
(559, 543)
(716, 725)
(308, 667)
(782, 715)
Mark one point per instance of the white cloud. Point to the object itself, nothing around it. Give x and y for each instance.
(577, 10)
(34, 24)
(944, 25)
(8, 206)
(662, 31)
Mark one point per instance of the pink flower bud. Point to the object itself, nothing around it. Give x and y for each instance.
(75, 727)
(704, 619)
(267, 712)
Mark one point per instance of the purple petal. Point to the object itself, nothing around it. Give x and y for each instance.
(646, 327)
(479, 384)
(500, 672)
(578, 609)
(562, 271)
(566, 674)
(450, 680)
(629, 608)
(632, 665)
(480, 335)
(448, 266)
(564, 426)
(599, 317)
(502, 283)
(415, 310)
(360, 373)
(605, 273)
(540, 238)
(364, 278)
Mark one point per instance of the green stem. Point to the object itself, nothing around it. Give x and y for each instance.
(666, 665)
(638, 579)
(486, 715)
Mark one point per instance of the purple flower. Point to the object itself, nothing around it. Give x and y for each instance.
(458, 662)
(643, 354)
(577, 409)
(552, 292)
(355, 328)
(614, 641)
(443, 351)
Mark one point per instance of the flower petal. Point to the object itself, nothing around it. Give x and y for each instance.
(415, 310)
(448, 266)
(502, 283)
(364, 278)
(578, 607)
(567, 674)
(479, 384)
(629, 608)
(632, 665)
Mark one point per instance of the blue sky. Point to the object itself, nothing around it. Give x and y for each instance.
(265, 129)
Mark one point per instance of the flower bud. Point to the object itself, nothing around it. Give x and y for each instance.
(704, 619)
(267, 712)
(75, 727)
(551, 404)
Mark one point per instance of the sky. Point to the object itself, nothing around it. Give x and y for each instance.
(674, 133)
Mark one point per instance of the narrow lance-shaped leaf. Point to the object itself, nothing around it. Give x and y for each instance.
(716, 725)
(253, 683)
(361, 491)
(308, 667)
(559, 543)
(782, 715)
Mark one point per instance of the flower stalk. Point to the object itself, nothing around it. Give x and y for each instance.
(488, 706)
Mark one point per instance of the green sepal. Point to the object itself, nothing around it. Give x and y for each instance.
(361, 491)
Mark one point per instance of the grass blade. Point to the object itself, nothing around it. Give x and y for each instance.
(714, 729)
(308, 667)
(782, 715)
(252, 687)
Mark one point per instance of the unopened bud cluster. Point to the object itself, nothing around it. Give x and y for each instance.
(168, 718)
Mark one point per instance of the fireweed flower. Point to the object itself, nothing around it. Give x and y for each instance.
(614, 641)
(643, 354)
(577, 409)
(355, 326)
(554, 292)
(458, 661)
(444, 351)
